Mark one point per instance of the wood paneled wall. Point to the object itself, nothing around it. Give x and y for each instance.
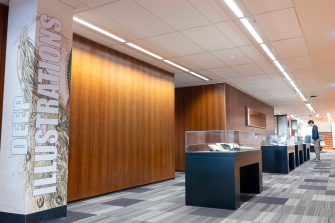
(3, 39)
(214, 107)
(236, 101)
(122, 122)
(198, 108)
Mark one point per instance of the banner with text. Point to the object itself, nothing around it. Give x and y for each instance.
(35, 124)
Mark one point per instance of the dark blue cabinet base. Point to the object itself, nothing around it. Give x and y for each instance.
(299, 154)
(278, 159)
(307, 152)
(216, 179)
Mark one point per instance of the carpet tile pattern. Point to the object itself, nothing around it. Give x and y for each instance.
(305, 195)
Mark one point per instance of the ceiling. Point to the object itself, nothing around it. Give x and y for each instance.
(204, 36)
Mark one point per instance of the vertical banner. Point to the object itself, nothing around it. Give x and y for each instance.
(35, 129)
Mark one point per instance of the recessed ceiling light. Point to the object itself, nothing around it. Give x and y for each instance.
(232, 5)
(199, 76)
(317, 115)
(176, 65)
(251, 30)
(95, 28)
(279, 66)
(310, 108)
(89, 25)
(144, 51)
(268, 51)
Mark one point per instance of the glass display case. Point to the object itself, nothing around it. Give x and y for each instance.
(298, 140)
(277, 140)
(222, 141)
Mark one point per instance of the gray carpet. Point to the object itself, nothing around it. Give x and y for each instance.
(305, 195)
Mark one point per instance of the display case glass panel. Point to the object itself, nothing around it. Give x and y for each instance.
(222, 141)
(277, 140)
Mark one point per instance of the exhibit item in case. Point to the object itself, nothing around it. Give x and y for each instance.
(222, 141)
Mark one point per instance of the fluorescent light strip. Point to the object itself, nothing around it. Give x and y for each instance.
(186, 70)
(251, 30)
(286, 75)
(89, 25)
(199, 76)
(144, 51)
(329, 117)
(268, 51)
(176, 65)
(232, 5)
(279, 66)
(310, 108)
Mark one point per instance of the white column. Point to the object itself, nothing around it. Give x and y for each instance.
(35, 123)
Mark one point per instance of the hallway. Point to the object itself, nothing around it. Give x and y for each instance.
(306, 194)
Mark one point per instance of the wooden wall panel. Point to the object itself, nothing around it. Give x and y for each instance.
(328, 140)
(214, 107)
(3, 39)
(236, 101)
(198, 108)
(122, 122)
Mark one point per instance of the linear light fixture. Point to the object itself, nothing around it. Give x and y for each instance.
(232, 5)
(329, 117)
(268, 51)
(199, 76)
(279, 66)
(95, 28)
(251, 30)
(144, 51)
(285, 74)
(310, 108)
(91, 26)
(176, 65)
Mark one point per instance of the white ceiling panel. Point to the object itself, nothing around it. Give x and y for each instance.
(181, 17)
(186, 62)
(95, 3)
(267, 67)
(205, 60)
(209, 38)
(277, 25)
(248, 69)
(261, 6)
(225, 72)
(133, 16)
(175, 44)
(232, 56)
(77, 5)
(253, 53)
(211, 10)
(295, 47)
(230, 30)
(298, 63)
(303, 74)
(305, 83)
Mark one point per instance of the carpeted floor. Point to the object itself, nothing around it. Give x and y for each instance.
(306, 194)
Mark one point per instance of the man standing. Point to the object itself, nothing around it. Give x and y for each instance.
(316, 139)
